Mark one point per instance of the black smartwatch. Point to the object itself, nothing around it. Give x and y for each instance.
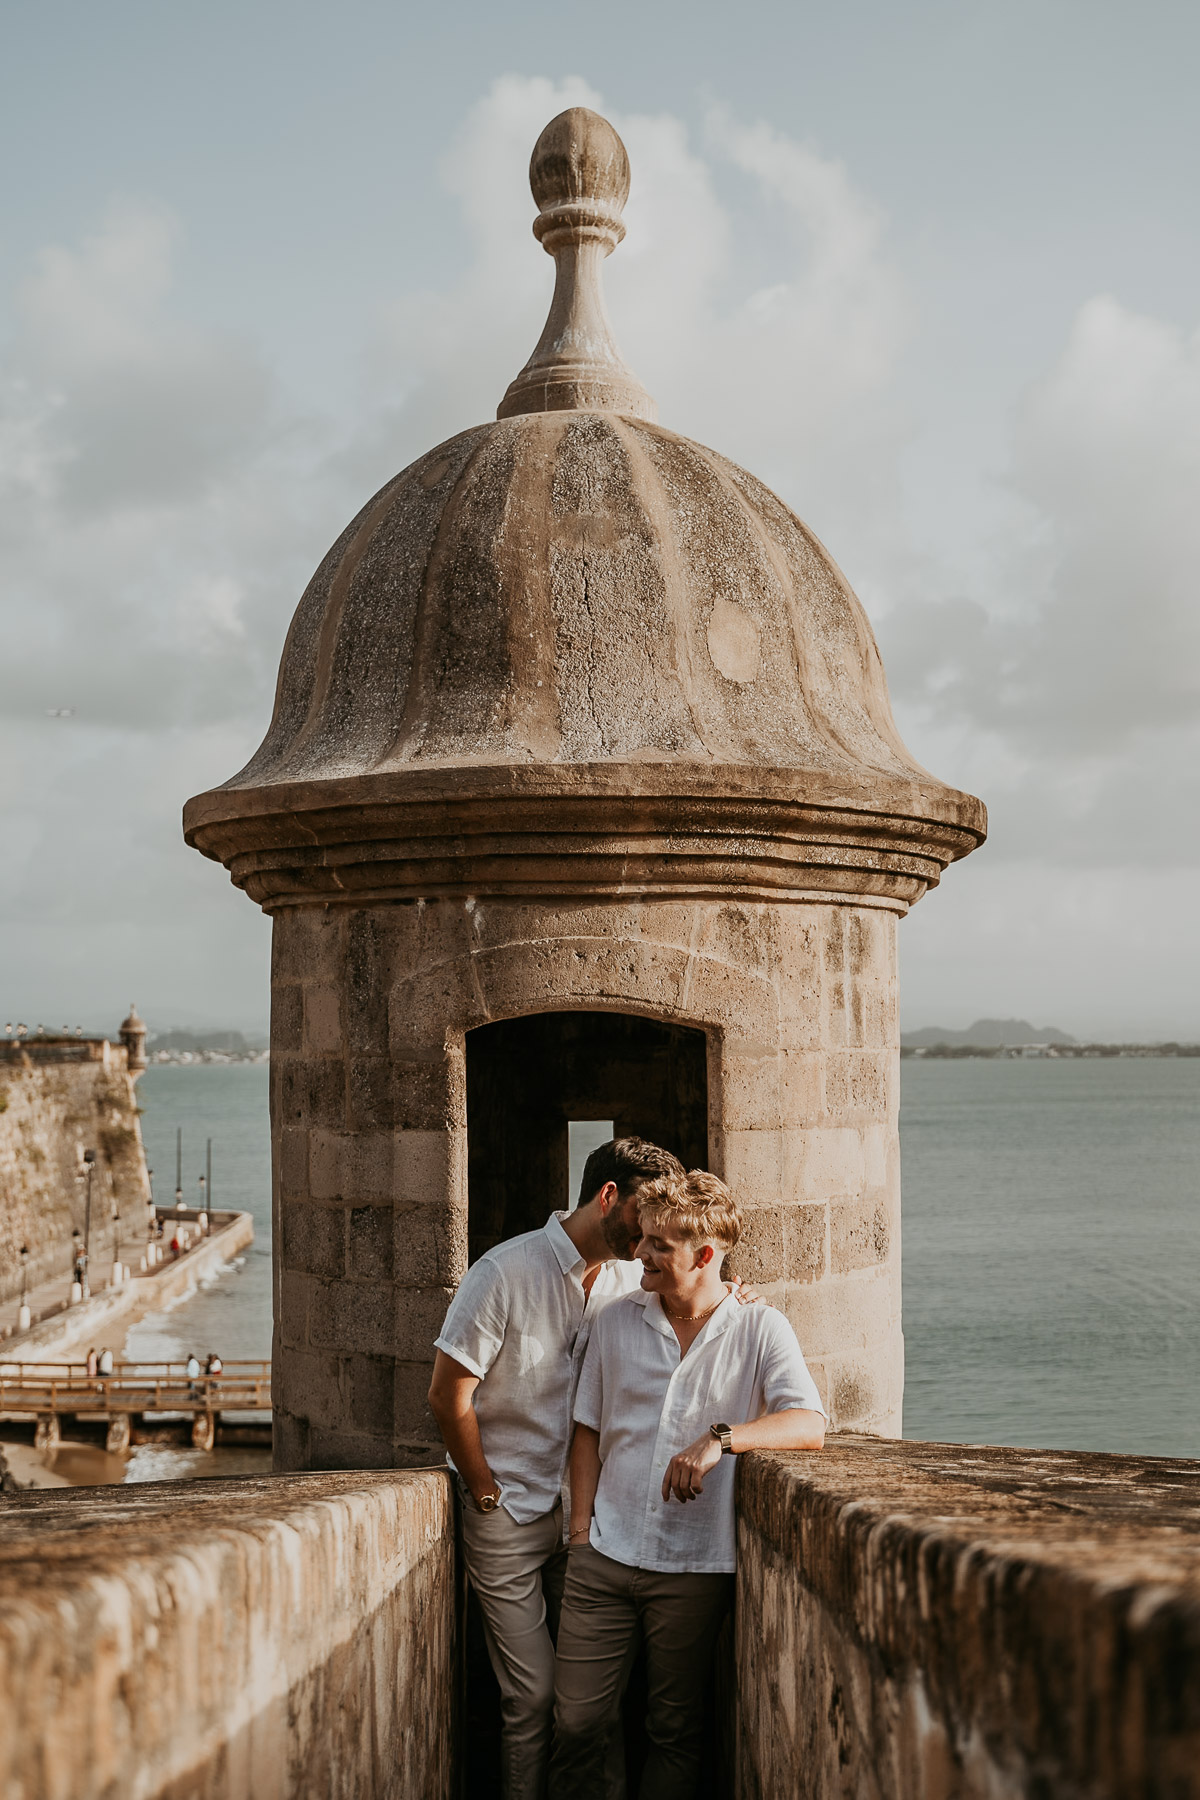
(724, 1437)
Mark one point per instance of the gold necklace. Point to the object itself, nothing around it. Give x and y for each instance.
(690, 1318)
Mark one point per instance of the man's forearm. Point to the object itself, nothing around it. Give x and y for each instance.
(795, 1429)
(585, 1479)
(460, 1434)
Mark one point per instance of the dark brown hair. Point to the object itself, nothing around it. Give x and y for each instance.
(628, 1162)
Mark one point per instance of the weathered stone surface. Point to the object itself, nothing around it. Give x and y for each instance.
(58, 1098)
(261, 1639)
(578, 716)
(814, 1159)
(936, 1622)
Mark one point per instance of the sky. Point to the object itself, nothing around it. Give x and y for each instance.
(932, 271)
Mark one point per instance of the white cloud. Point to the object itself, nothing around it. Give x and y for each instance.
(140, 409)
(1068, 692)
(162, 504)
(782, 358)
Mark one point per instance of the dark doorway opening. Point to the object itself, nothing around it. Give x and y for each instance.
(528, 1079)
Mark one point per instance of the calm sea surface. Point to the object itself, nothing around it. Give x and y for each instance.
(1051, 1247)
(1051, 1253)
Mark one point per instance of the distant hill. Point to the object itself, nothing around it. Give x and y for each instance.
(235, 1041)
(988, 1034)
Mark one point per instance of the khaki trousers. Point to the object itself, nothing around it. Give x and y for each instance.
(517, 1572)
(605, 1607)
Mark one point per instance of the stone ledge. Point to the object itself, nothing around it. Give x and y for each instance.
(926, 1620)
(256, 1639)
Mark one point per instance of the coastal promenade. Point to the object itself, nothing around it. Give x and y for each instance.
(57, 1327)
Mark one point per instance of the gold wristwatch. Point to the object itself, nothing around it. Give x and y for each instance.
(724, 1437)
(489, 1502)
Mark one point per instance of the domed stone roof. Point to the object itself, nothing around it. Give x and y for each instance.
(577, 587)
(571, 605)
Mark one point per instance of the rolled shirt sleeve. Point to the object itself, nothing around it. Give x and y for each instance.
(786, 1380)
(477, 1320)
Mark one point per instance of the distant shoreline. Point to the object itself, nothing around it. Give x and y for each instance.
(162, 1059)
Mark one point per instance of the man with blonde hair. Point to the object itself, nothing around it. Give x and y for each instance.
(676, 1381)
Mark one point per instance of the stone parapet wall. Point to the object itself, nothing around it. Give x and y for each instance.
(58, 1099)
(260, 1639)
(936, 1622)
(371, 1012)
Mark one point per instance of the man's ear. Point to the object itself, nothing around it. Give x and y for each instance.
(704, 1255)
(606, 1197)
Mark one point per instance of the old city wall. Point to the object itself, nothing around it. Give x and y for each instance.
(56, 1101)
(258, 1639)
(914, 1622)
(936, 1622)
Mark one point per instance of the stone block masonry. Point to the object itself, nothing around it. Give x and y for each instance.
(913, 1622)
(575, 718)
(938, 1622)
(58, 1098)
(372, 1008)
(260, 1639)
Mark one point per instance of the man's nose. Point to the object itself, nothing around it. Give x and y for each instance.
(640, 1246)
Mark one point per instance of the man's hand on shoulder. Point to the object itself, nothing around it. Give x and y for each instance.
(745, 1296)
(685, 1474)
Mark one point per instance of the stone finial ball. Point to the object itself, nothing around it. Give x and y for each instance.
(579, 157)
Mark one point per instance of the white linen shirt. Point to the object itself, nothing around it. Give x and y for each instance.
(648, 1403)
(518, 1318)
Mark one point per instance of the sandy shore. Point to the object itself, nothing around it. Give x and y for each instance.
(72, 1465)
(76, 1464)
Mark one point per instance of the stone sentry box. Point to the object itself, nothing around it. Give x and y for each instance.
(582, 799)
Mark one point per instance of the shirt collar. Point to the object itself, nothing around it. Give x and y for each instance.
(569, 1258)
(657, 1319)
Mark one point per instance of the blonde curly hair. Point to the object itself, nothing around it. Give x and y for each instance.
(699, 1207)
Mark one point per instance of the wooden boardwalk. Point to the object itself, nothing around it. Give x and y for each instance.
(53, 1391)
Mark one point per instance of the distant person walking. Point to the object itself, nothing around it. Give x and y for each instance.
(92, 1365)
(106, 1362)
(193, 1372)
(213, 1365)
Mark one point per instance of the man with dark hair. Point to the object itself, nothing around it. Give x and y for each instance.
(502, 1394)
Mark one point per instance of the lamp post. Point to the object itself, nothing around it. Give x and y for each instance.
(118, 1273)
(89, 1160)
(23, 1311)
(151, 1220)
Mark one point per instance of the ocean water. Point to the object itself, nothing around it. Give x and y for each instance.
(1051, 1224)
(1051, 1221)
(231, 1312)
